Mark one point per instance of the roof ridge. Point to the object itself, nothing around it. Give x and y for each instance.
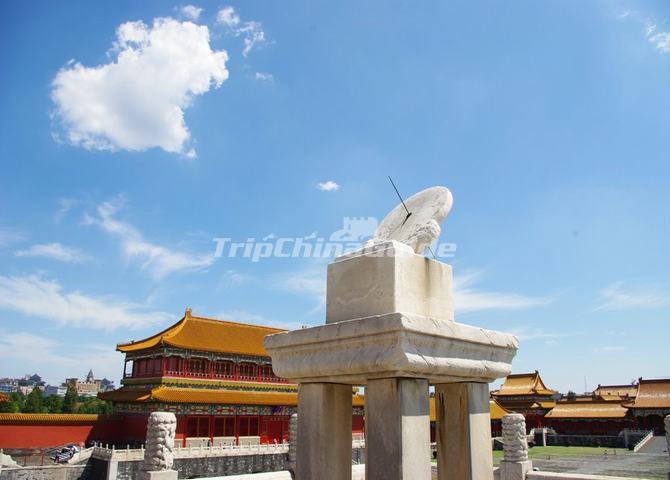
(655, 380)
(159, 334)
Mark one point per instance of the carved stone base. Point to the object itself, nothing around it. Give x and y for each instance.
(515, 470)
(159, 475)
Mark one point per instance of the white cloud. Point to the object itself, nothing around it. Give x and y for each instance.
(64, 206)
(615, 298)
(266, 77)
(55, 359)
(227, 16)
(468, 299)
(55, 251)
(9, 236)
(137, 101)
(661, 41)
(251, 31)
(157, 259)
(328, 186)
(191, 11)
(32, 295)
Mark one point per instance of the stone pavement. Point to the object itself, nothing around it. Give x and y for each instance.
(635, 465)
(657, 444)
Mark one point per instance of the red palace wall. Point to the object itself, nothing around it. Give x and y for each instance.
(52, 434)
(125, 429)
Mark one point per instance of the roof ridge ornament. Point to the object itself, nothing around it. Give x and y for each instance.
(188, 312)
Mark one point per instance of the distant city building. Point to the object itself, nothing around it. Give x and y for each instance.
(107, 385)
(59, 390)
(9, 385)
(90, 387)
(26, 389)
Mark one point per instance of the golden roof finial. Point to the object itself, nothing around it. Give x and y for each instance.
(188, 312)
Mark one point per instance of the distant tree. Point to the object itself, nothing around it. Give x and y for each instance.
(94, 405)
(572, 395)
(9, 406)
(34, 402)
(53, 404)
(70, 400)
(18, 399)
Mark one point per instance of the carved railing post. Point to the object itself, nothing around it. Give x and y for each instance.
(158, 456)
(515, 463)
(292, 441)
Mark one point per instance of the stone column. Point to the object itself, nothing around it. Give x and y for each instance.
(324, 430)
(463, 430)
(158, 458)
(667, 435)
(515, 464)
(397, 439)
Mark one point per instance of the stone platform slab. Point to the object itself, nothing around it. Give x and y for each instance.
(395, 345)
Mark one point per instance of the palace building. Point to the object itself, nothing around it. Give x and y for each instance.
(651, 404)
(527, 394)
(588, 416)
(216, 377)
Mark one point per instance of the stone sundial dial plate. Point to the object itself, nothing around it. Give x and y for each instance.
(428, 208)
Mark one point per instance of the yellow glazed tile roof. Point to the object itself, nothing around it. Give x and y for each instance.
(127, 394)
(652, 394)
(524, 384)
(207, 334)
(4, 397)
(593, 409)
(47, 417)
(229, 397)
(611, 391)
(209, 396)
(497, 410)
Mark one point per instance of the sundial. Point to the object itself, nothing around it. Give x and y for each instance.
(416, 221)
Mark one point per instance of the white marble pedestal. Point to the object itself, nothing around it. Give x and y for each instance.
(403, 339)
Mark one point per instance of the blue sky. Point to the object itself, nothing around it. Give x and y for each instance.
(133, 133)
